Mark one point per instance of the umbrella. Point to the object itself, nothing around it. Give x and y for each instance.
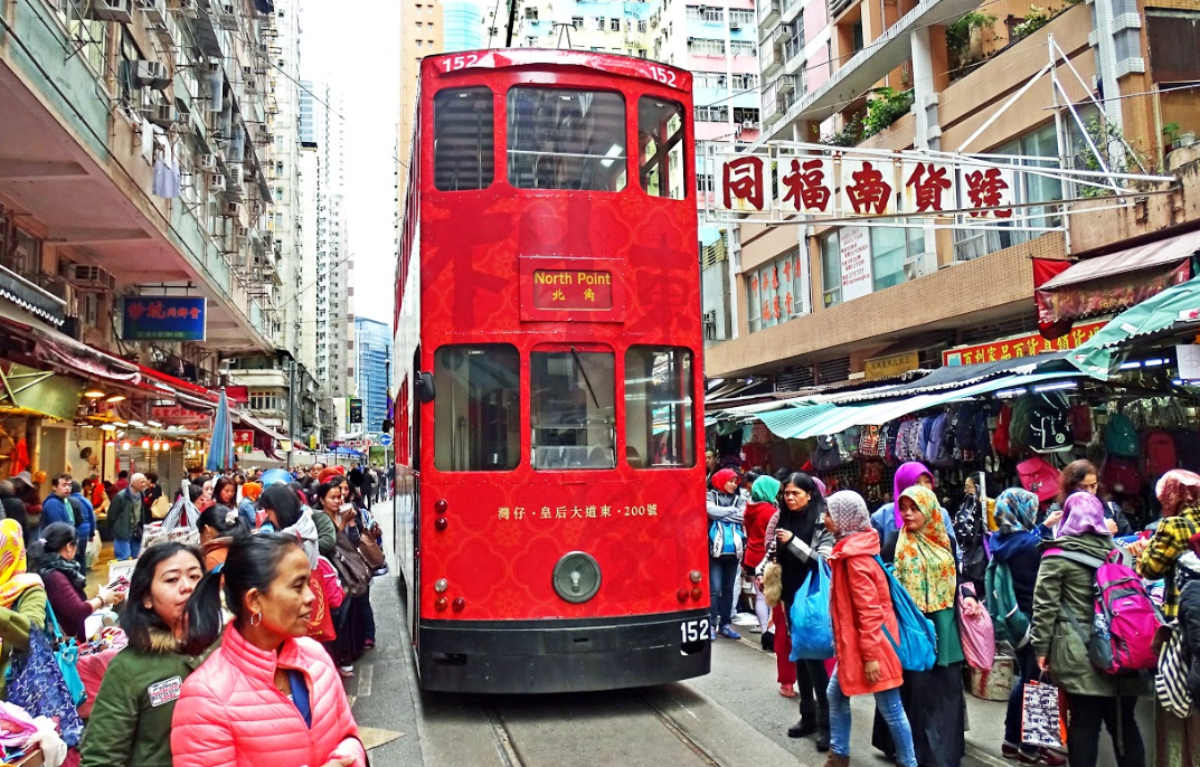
(221, 446)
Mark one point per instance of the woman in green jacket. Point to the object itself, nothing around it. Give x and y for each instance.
(130, 724)
(1063, 604)
(22, 596)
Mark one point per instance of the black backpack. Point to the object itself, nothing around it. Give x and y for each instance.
(1050, 426)
(827, 457)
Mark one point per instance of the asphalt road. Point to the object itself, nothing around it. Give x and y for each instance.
(734, 717)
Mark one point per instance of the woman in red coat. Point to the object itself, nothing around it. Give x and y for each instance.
(269, 695)
(860, 605)
(760, 512)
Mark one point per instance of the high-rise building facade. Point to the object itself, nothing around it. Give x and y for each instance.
(373, 353)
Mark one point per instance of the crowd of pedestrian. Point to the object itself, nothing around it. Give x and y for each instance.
(781, 533)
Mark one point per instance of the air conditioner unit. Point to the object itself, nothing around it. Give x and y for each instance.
(735, 27)
(152, 74)
(251, 86)
(242, 233)
(109, 10)
(211, 64)
(216, 183)
(162, 115)
(747, 123)
(920, 265)
(86, 276)
(207, 163)
(233, 209)
(155, 10)
(227, 17)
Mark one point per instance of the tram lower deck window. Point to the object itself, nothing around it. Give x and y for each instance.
(572, 410)
(477, 412)
(464, 130)
(566, 139)
(658, 407)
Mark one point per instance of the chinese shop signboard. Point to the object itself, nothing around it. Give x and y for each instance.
(163, 318)
(1016, 348)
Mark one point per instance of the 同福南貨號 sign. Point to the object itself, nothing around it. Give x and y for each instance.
(163, 318)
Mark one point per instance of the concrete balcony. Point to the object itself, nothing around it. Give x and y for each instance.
(72, 163)
(768, 12)
(870, 65)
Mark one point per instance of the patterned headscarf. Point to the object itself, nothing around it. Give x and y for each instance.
(13, 578)
(849, 513)
(765, 489)
(1177, 490)
(924, 559)
(907, 476)
(1016, 509)
(1082, 513)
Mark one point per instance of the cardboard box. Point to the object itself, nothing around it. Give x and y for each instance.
(33, 759)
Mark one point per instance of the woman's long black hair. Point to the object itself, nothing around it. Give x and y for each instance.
(221, 484)
(252, 563)
(282, 500)
(138, 620)
(54, 539)
(803, 525)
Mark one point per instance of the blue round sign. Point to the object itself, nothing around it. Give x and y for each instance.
(385, 440)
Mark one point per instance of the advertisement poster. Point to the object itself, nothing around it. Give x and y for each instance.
(856, 262)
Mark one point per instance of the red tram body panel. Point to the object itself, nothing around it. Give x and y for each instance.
(550, 526)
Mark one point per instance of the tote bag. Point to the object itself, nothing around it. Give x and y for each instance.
(812, 630)
(978, 637)
(36, 684)
(351, 567)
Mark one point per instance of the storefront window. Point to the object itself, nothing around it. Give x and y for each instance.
(463, 139)
(477, 412)
(572, 410)
(658, 407)
(661, 148)
(775, 292)
(566, 139)
(890, 250)
(831, 269)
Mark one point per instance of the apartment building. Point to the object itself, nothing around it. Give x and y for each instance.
(950, 72)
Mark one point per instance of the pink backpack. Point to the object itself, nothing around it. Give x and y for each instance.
(1125, 619)
(1039, 477)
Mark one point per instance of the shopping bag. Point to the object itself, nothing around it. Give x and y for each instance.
(179, 524)
(1043, 720)
(93, 550)
(812, 630)
(66, 652)
(320, 621)
(36, 684)
(1170, 681)
(978, 637)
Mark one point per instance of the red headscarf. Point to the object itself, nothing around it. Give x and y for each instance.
(722, 478)
(1177, 490)
(331, 472)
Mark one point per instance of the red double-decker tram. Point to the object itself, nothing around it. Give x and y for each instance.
(550, 520)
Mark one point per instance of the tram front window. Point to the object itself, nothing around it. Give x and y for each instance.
(572, 410)
(658, 407)
(566, 139)
(477, 412)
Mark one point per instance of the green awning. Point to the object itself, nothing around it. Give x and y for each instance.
(1181, 303)
(788, 422)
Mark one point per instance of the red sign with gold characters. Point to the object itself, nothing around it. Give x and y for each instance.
(572, 289)
(1016, 348)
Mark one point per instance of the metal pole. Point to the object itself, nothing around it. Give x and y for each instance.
(291, 412)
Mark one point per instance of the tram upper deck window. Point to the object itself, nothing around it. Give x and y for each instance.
(661, 147)
(572, 410)
(658, 407)
(477, 412)
(464, 134)
(566, 139)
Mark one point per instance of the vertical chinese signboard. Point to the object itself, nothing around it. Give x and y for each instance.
(163, 318)
(857, 277)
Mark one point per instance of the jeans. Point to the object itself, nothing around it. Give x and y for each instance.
(126, 549)
(888, 704)
(722, 580)
(1083, 736)
(1027, 667)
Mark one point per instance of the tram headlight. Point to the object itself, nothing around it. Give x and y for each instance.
(440, 585)
(695, 576)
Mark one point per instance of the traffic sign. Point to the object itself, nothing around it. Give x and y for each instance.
(386, 440)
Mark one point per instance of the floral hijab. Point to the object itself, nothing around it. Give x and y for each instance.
(924, 558)
(14, 581)
(907, 475)
(1178, 490)
(1016, 510)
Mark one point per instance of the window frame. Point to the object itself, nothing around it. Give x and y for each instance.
(535, 411)
(444, 390)
(679, 140)
(490, 155)
(687, 400)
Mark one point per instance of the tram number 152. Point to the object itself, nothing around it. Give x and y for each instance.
(663, 75)
(694, 630)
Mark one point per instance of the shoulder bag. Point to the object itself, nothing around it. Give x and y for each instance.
(36, 684)
(351, 567)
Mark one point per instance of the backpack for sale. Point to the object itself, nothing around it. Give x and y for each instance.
(868, 442)
(1081, 424)
(917, 643)
(827, 457)
(1049, 426)
(1158, 448)
(1011, 623)
(1039, 477)
(964, 429)
(872, 472)
(917, 439)
(1125, 619)
(937, 448)
(1001, 438)
(1121, 476)
(1187, 449)
(1120, 438)
(983, 440)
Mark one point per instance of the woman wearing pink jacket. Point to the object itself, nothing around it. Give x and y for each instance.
(269, 695)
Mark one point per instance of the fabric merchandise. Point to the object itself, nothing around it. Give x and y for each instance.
(166, 179)
(936, 709)
(231, 715)
(924, 558)
(15, 725)
(36, 684)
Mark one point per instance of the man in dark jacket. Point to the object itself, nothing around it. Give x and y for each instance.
(124, 514)
(55, 507)
(85, 523)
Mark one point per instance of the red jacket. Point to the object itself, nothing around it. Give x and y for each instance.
(230, 714)
(757, 515)
(861, 605)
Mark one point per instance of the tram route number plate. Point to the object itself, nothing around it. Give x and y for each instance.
(694, 630)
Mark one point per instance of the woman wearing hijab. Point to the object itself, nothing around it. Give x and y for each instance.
(22, 597)
(1179, 493)
(886, 520)
(799, 541)
(924, 562)
(1065, 590)
(1015, 546)
(860, 606)
(727, 505)
(759, 512)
